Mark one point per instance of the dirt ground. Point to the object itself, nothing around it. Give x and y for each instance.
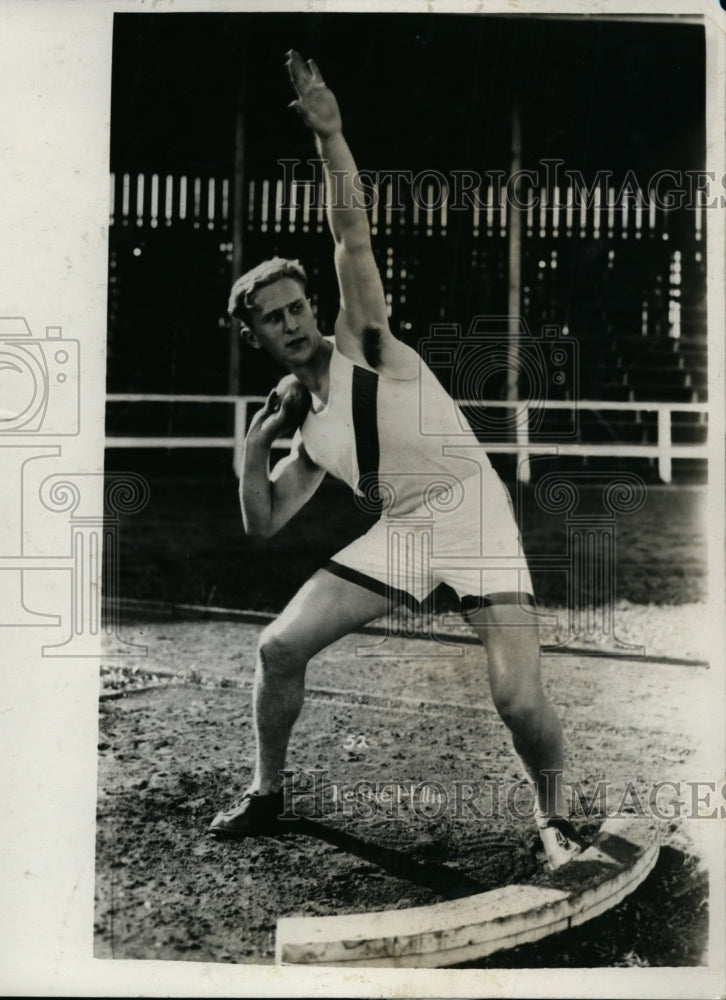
(175, 745)
(188, 546)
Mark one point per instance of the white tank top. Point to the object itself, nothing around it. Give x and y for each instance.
(390, 439)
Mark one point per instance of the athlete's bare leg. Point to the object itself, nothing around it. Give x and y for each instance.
(323, 610)
(511, 639)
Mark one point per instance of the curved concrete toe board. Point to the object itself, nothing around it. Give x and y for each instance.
(620, 857)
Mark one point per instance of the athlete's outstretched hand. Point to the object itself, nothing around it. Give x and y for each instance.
(316, 103)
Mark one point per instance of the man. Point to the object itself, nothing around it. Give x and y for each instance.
(363, 426)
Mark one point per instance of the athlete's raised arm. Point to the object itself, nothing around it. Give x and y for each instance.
(361, 331)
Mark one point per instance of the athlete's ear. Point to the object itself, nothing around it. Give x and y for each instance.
(250, 337)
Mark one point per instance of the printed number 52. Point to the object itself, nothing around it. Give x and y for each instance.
(355, 743)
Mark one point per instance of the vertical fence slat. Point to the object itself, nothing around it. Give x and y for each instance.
(154, 206)
(320, 223)
(307, 191)
(225, 202)
(569, 208)
(139, 199)
(388, 207)
(122, 194)
(168, 199)
(638, 212)
(375, 208)
(556, 210)
(264, 205)
(210, 203)
(429, 209)
(698, 218)
(251, 189)
(197, 201)
(277, 202)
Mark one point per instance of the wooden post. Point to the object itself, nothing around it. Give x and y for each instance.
(515, 267)
(237, 221)
(521, 430)
(664, 445)
(240, 430)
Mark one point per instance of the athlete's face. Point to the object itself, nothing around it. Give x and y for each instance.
(282, 322)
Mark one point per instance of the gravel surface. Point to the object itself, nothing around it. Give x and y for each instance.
(176, 744)
(670, 630)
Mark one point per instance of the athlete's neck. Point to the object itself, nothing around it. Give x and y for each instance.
(314, 374)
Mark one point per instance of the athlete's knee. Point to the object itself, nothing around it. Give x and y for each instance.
(520, 705)
(507, 637)
(278, 653)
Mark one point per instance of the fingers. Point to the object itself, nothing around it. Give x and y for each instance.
(315, 73)
(303, 75)
(299, 74)
(275, 403)
(272, 404)
(272, 415)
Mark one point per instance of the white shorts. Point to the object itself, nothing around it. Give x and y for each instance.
(472, 546)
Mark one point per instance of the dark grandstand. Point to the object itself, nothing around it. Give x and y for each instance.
(604, 248)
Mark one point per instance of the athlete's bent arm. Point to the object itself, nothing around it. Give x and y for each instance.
(269, 499)
(362, 331)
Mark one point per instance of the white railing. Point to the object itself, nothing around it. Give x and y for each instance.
(664, 449)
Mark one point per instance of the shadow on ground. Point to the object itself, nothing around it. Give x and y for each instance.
(171, 757)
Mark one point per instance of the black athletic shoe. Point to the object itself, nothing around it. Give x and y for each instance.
(255, 814)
